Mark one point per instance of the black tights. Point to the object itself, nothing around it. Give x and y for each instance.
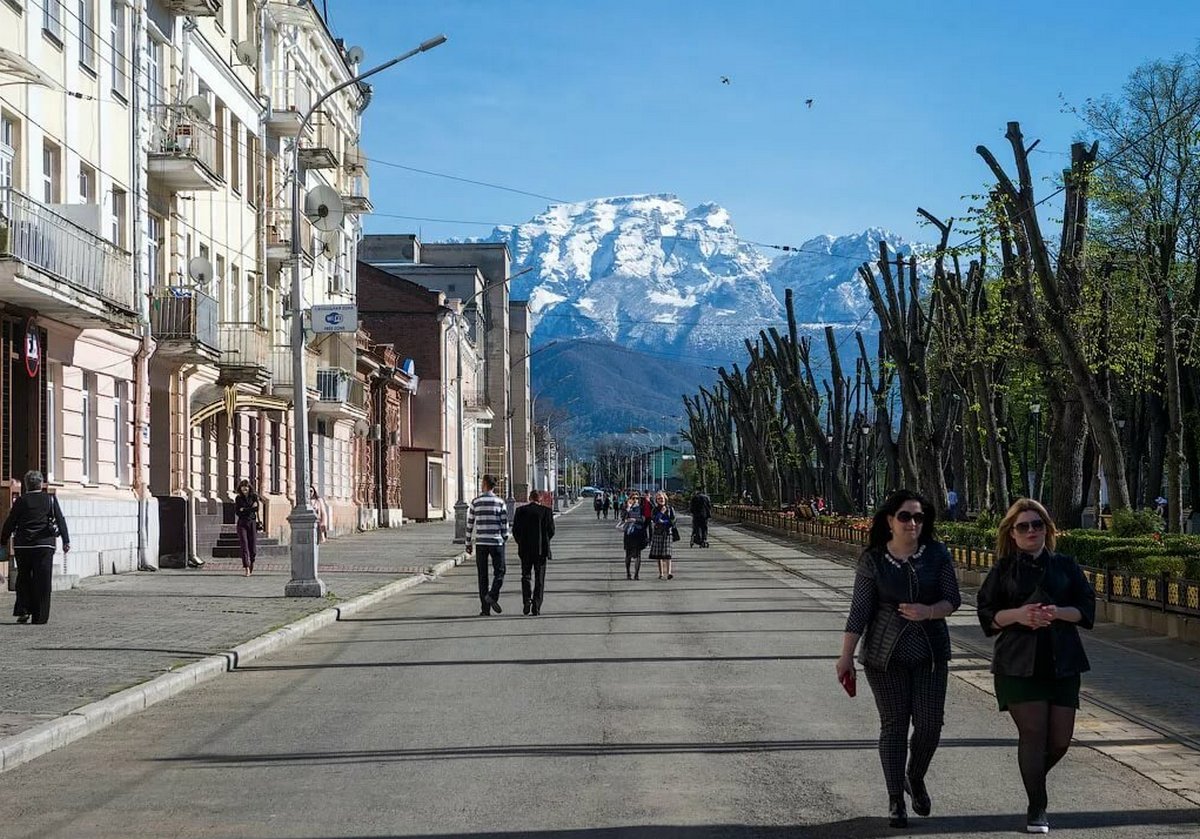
(1044, 733)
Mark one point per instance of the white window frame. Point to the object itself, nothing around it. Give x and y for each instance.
(87, 184)
(154, 250)
(51, 159)
(87, 34)
(116, 42)
(53, 378)
(87, 411)
(8, 161)
(120, 431)
(155, 79)
(52, 15)
(119, 212)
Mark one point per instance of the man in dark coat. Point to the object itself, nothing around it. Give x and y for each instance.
(701, 510)
(533, 528)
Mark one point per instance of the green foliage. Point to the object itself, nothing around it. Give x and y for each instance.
(1136, 523)
(1086, 545)
(967, 535)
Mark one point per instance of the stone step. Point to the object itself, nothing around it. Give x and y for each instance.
(235, 552)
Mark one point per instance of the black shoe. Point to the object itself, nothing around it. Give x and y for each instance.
(670, 576)
(22, 618)
(921, 802)
(495, 604)
(1036, 822)
(536, 612)
(897, 814)
(636, 577)
(527, 607)
(484, 613)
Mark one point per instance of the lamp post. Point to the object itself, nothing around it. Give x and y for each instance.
(866, 434)
(305, 581)
(1034, 488)
(827, 483)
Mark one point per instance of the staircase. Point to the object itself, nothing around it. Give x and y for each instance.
(227, 546)
(215, 527)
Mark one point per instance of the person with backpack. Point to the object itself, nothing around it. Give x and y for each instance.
(701, 510)
(35, 524)
(634, 523)
(662, 533)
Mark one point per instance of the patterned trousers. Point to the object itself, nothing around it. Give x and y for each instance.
(905, 695)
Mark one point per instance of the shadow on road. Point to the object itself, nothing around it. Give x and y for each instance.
(532, 662)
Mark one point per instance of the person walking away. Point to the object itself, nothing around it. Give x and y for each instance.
(662, 534)
(598, 504)
(245, 515)
(1033, 601)
(701, 510)
(487, 530)
(904, 590)
(34, 524)
(635, 526)
(952, 505)
(532, 529)
(607, 503)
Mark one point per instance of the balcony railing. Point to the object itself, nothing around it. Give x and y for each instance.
(356, 192)
(279, 234)
(185, 315)
(181, 141)
(33, 234)
(281, 367)
(243, 345)
(291, 97)
(333, 384)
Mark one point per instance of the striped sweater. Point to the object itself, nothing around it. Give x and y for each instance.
(487, 521)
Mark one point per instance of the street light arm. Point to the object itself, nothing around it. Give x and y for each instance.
(425, 46)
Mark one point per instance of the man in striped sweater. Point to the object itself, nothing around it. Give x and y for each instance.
(487, 530)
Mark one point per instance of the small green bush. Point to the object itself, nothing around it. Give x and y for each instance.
(1181, 543)
(966, 535)
(1176, 566)
(1086, 545)
(1136, 523)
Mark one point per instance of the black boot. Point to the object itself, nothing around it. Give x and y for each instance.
(897, 814)
(921, 802)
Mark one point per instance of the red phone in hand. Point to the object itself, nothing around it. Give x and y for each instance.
(849, 683)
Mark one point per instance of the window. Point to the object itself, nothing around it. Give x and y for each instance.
(50, 158)
(116, 43)
(53, 378)
(219, 278)
(87, 184)
(154, 72)
(118, 217)
(251, 169)
(121, 430)
(275, 452)
(87, 35)
(87, 411)
(236, 433)
(154, 251)
(8, 162)
(235, 154)
(52, 19)
(235, 294)
(219, 125)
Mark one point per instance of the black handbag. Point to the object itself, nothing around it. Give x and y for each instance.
(674, 533)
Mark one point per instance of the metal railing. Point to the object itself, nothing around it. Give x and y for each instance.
(279, 229)
(185, 315)
(290, 92)
(281, 367)
(34, 234)
(1162, 592)
(178, 133)
(333, 384)
(243, 345)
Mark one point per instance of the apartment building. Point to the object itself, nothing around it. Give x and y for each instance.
(146, 152)
(73, 348)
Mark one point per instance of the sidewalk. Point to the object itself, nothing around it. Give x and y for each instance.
(1139, 701)
(117, 631)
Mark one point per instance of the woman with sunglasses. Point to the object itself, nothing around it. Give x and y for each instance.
(1033, 601)
(903, 592)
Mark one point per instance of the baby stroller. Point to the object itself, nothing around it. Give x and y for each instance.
(697, 541)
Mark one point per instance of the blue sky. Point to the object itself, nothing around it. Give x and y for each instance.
(578, 100)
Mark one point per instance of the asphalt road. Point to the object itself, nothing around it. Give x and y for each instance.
(700, 707)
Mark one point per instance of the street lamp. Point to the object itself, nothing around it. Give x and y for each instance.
(305, 581)
(866, 435)
(1035, 489)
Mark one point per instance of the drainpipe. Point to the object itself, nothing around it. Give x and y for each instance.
(142, 295)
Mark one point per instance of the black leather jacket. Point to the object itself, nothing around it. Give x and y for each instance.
(925, 581)
(1061, 583)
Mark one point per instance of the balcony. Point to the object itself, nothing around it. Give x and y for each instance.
(281, 370)
(279, 237)
(244, 354)
(321, 151)
(333, 389)
(183, 323)
(475, 404)
(356, 193)
(59, 269)
(194, 8)
(183, 151)
(291, 97)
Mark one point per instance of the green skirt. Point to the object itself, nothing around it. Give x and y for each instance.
(1011, 690)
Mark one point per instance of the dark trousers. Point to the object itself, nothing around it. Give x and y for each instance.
(905, 695)
(247, 542)
(35, 576)
(700, 524)
(533, 581)
(496, 554)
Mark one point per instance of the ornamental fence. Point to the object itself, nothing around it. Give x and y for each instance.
(1162, 592)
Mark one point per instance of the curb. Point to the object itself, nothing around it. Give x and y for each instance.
(87, 719)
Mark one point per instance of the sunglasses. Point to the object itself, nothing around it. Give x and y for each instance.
(1034, 526)
(904, 517)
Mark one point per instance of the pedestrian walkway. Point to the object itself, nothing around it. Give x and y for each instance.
(1139, 700)
(114, 632)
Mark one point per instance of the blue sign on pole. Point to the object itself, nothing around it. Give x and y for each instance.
(335, 318)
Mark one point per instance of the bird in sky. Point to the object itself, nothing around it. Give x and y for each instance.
(725, 80)
(808, 102)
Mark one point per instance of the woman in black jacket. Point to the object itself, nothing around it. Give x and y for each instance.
(245, 510)
(1033, 600)
(903, 592)
(35, 524)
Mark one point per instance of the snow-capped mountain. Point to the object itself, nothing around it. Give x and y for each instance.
(648, 273)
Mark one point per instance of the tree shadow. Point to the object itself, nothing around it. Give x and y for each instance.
(532, 662)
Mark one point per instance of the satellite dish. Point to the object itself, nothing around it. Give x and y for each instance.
(324, 209)
(331, 243)
(198, 107)
(246, 53)
(354, 55)
(200, 270)
(361, 427)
